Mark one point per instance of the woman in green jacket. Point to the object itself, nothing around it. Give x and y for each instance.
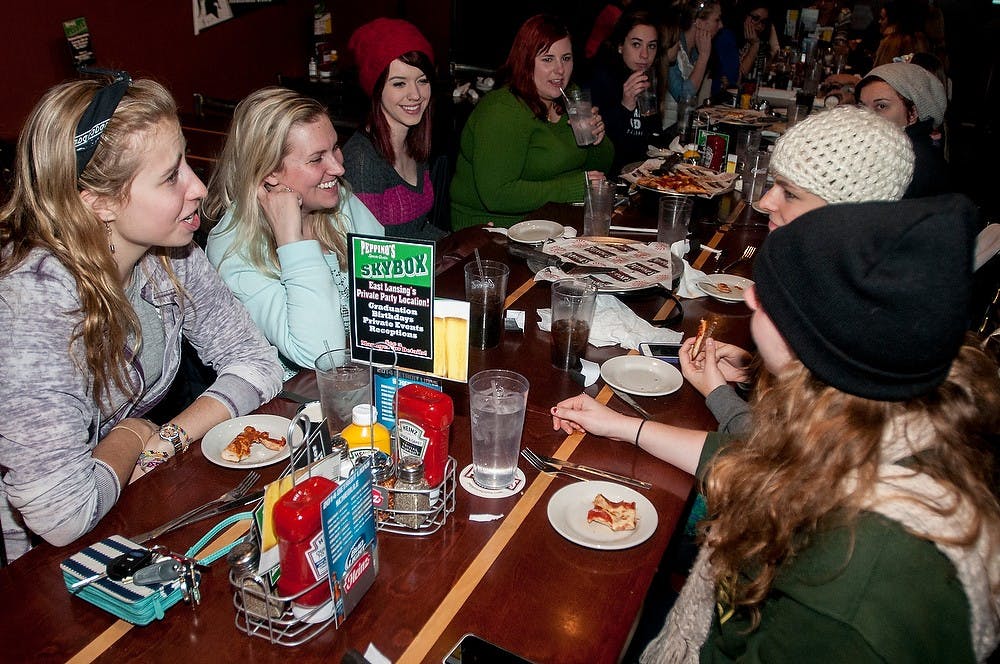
(856, 522)
(517, 150)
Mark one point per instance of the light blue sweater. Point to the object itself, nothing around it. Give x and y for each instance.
(305, 310)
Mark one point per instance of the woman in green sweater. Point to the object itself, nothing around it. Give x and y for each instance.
(856, 522)
(517, 150)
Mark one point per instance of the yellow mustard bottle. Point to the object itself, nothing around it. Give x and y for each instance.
(366, 437)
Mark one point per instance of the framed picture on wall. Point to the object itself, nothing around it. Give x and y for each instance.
(210, 12)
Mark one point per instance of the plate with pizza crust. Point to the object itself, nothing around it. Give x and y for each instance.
(724, 287)
(568, 508)
(219, 436)
(641, 375)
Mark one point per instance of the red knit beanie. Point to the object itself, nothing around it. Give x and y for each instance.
(376, 44)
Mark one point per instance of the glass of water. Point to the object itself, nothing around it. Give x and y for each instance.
(497, 401)
(343, 384)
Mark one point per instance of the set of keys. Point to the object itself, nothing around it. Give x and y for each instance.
(139, 568)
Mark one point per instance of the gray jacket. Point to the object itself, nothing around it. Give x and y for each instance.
(50, 421)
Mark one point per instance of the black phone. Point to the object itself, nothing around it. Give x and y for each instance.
(665, 352)
(472, 649)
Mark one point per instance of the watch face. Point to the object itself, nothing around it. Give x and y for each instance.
(174, 435)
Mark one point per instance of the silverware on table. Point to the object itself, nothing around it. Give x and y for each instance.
(631, 403)
(747, 255)
(231, 497)
(547, 468)
(560, 464)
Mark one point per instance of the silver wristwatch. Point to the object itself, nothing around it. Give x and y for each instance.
(176, 436)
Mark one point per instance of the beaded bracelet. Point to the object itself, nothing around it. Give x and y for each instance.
(642, 423)
(150, 459)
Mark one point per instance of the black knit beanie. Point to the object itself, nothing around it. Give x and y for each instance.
(873, 297)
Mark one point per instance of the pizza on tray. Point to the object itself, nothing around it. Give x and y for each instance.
(676, 182)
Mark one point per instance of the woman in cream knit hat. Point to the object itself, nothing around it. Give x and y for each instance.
(915, 100)
(845, 155)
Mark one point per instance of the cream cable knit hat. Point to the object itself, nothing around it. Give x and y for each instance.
(915, 83)
(847, 154)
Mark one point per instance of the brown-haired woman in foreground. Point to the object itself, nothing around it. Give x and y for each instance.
(857, 520)
(99, 281)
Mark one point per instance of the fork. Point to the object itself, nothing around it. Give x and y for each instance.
(236, 492)
(747, 255)
(547, 468)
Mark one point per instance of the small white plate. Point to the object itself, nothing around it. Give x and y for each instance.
(641, 375)
(737, 287)
(568, 509)
(219, 436)
(757, 208)
(535, 231)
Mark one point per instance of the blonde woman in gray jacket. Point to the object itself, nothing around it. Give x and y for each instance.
(99, 282)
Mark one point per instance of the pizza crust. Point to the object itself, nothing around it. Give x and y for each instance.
(617, 516)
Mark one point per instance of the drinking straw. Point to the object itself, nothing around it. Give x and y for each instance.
(479, 262)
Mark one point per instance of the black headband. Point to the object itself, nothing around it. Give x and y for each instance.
(98, 113)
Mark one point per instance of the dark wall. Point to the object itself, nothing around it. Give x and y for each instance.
(157, 40)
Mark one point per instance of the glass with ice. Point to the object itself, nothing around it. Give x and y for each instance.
(497, 402)
(343, 384)
(581, 116)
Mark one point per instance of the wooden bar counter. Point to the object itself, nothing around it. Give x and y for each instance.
(513, 581)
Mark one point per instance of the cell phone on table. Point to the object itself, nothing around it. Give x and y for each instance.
(475, 650)
(665, 352)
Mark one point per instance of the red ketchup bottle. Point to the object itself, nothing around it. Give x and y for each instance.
(298, 526)
(423, 425)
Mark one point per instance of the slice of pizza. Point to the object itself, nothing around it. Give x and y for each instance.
(615, 515)
(705, 331)
(239, 448)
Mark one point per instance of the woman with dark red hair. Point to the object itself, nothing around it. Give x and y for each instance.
(517, 150)
(386, 160)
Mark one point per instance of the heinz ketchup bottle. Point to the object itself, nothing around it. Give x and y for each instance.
(298, 527)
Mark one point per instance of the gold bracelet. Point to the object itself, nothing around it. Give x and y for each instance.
(142, 441)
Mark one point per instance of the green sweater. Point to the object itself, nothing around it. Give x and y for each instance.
(510, 163)
(893, 598)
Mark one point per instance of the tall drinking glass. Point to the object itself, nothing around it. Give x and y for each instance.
(581, 116)
(573, 302)
(343, 384)
(497, 402)
(485, 288)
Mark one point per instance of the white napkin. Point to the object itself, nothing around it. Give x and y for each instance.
(688, 287)
(615, 324)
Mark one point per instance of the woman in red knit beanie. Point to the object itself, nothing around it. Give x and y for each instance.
(386, 161)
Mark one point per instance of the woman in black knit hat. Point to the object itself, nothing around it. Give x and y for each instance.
(858, 517)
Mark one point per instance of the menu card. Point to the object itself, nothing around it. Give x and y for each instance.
(395, 319)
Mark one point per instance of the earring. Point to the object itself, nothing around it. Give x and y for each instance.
(107, 229)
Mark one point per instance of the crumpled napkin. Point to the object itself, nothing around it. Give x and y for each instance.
(688, 286)
(615, 324)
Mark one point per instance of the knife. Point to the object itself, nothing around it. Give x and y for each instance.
(221, 509)
(632, 403)
(624, 479)
(547, 260)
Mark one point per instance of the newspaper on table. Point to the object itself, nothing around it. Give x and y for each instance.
(637, 265)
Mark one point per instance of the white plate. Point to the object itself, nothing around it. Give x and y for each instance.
(535, 231)
(738, 287)
(641, 375)
(568, 509)
(219, 436)
(757, 208)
